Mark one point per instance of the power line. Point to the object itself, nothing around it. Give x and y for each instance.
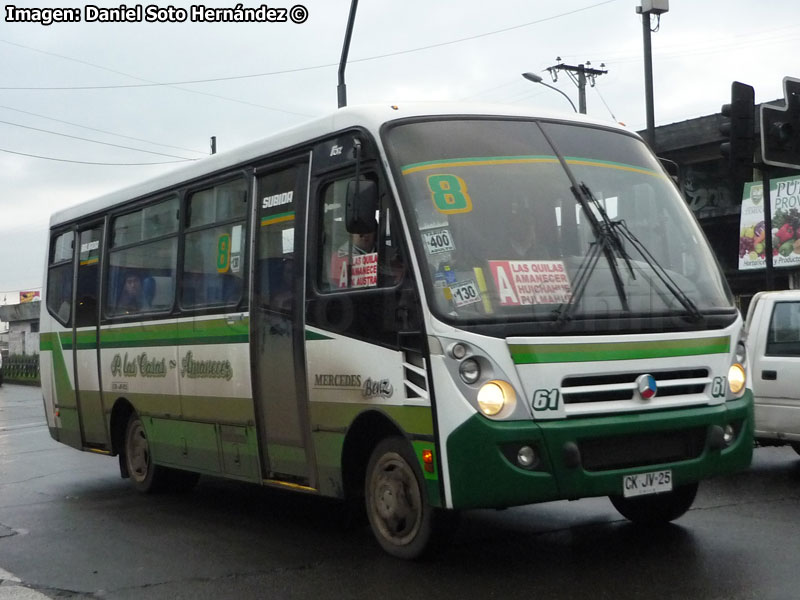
(75, 137)
(681, 50)
(286, 71)
(148, 83)
(84, 162)
(101, 130)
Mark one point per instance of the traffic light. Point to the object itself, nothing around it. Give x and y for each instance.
(739, 131)
(780, 128)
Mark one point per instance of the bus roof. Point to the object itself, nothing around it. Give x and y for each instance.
(371, 117)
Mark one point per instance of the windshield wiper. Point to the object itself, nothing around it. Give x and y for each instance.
(609, 237)
(613, 233)
(691, 308)
(608, 242)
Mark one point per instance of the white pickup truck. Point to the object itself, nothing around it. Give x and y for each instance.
(772, 333)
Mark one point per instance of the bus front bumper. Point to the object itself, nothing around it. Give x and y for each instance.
(585, 457)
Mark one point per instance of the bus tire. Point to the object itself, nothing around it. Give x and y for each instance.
(396, 503)
(657, 508)
(145, 476)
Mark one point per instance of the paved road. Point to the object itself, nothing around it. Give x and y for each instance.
(71, 528)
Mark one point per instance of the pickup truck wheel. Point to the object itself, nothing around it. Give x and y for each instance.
(657, 508)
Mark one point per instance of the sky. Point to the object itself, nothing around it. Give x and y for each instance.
(155, 92)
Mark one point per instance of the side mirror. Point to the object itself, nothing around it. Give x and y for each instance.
(672, 168)
(361, 204)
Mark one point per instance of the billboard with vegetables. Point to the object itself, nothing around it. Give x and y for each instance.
(785, 198)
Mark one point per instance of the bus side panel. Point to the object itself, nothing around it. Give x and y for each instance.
(216, 400)
(347, 378)
(91, 402)
(47, 381)
(138, 363)
(58, 387)
(331, 421)
(472, 465)
(214, 369)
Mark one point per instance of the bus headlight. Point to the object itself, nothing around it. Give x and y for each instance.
(494, 396)
(470, 371)
(737, 378)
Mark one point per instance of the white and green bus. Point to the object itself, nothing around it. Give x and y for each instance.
(422, 308)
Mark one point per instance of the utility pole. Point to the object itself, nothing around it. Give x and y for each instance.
(579, 74)
(341, 89)
(650, 7)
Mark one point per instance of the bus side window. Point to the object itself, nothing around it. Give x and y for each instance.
(214, 246)
(358, 260)
(59, 277)
(142, 260)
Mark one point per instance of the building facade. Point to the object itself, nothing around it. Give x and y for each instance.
(694, 145)
(23, 327)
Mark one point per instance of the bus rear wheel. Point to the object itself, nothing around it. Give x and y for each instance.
(146, 476)
(397, 507)
(657, 508)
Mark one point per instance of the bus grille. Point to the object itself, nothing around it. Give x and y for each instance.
(642, 449)
(622, 386)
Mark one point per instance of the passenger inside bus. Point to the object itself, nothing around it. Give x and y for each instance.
(358, 244)
(130, 298)
(364, 243)
(531, 230)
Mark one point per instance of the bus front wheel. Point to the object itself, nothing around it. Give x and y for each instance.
(397, 507)
(657, 508)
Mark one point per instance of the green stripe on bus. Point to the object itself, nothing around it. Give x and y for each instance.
(607, 164)
(277, 218)
(524, 354)
(46, 342)
(64, 393)
(66, 339)
(520, 160)
(216, 331)
(314, 336)
(340, 415)
(477, 161)
(84, 340)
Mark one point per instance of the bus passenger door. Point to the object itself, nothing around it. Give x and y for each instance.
(85, 348)
(277, 329)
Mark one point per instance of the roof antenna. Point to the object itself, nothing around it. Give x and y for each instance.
(341, 89)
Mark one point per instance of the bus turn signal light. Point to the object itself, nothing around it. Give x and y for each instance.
(427, 460)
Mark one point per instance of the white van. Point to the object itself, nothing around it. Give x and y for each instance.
(773, 344)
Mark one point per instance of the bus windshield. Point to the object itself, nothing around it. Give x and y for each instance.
(517, 219)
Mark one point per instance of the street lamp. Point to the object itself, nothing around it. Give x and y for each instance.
(536, 79)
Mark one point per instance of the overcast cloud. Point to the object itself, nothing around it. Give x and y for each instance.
(701, 46)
